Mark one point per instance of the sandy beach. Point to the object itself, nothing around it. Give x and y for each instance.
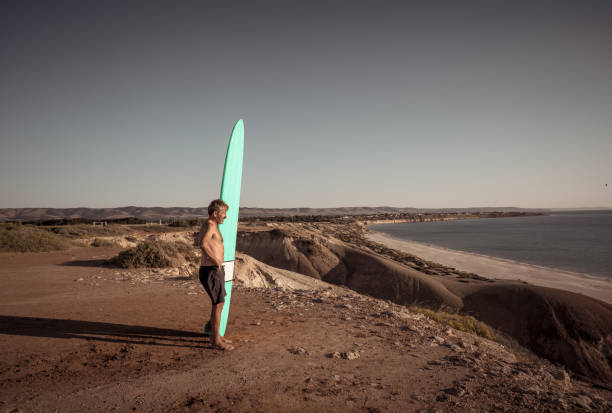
(498, 268)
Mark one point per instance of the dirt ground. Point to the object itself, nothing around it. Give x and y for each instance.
(76, 335)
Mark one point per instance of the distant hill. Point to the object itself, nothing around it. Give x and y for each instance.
(155, 213)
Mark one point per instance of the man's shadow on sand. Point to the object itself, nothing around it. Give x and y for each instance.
(88, 263)
(107, 332)
(107, 265)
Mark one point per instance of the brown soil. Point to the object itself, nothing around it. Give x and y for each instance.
(76, 336)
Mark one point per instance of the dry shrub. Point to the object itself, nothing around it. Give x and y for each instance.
(154, 254)
(100, 242)
(88, 231)
(155, 228)
(460, 322)
(28, 238)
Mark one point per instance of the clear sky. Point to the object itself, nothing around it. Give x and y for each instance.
(356, 103)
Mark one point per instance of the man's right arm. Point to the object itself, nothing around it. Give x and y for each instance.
(207, 245)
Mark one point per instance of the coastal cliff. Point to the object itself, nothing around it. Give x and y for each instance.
(562, 326)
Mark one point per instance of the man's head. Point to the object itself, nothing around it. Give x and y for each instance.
(217, 210)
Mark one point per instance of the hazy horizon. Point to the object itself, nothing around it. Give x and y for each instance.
(318, 207)
(435, 105)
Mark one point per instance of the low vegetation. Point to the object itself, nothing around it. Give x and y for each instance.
(187, 223)
(101, 242)
(29, 238)
(87, 231)
(460, 322)
(155, 254)
(154, 228)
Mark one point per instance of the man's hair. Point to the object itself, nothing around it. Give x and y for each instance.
(217, 205)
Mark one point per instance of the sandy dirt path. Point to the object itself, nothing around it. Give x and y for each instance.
(498, 268)
(78, 336)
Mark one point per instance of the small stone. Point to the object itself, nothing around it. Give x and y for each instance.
(561, 403)
(298, 351)
(454, 391)
(391, 314)
(527, 390)
(334, 355)
(351, 355)
(561, 375)
(583, 401)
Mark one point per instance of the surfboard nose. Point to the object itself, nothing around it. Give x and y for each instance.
(238, 127)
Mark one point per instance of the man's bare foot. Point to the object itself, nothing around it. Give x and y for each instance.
(225, 340)
(222, 346)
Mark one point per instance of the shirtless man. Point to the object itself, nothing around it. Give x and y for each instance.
(212, 274)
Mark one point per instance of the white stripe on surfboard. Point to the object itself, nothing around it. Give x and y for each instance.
(228, 267)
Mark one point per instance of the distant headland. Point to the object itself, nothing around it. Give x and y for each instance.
(175, 213)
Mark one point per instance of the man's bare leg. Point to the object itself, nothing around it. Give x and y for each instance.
(215, 337)
(223, 340)
(212, 314)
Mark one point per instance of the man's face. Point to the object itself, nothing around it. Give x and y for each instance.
(220, 216)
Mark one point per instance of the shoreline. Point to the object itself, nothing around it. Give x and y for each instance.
(500, 268)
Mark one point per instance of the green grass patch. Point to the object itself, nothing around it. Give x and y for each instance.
(154, 254)
(29, 238)
(465, 323)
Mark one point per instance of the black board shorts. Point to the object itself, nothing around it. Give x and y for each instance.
(213, 281)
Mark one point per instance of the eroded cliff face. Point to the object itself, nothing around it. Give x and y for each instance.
(275, 248)
(564, 327)
(334, 262)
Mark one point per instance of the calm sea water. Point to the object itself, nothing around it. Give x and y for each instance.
(579, 241)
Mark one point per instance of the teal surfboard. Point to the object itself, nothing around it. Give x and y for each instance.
(230, 194)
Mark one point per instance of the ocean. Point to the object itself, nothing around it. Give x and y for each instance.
(576, 241)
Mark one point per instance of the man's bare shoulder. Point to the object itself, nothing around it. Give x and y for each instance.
(211, 226)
